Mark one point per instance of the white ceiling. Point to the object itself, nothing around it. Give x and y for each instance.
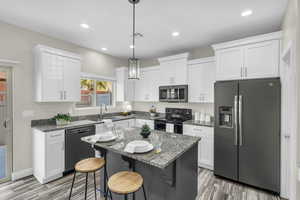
(200, 22)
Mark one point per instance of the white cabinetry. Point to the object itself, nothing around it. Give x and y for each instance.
(140, 122)
(205, 146)
(173, 70)
(125, 87)
(125, 123)
(201, 78)
(128, 123)
(56, 75)
(48, 155)
(146, 89)
(249, 58)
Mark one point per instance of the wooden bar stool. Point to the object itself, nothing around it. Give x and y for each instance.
(125, 183)
(89, 165)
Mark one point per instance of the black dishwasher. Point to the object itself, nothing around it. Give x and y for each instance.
(75, 148)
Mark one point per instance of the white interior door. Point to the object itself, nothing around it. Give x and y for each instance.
(5, 125)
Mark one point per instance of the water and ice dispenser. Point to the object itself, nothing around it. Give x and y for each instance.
(225, 116)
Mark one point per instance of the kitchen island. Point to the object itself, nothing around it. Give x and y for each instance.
(168, 175)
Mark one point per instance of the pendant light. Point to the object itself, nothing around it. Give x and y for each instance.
(133, 63)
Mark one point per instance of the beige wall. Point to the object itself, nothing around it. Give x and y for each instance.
(291, 33)
(17, 44)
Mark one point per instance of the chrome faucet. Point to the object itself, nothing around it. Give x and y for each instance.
(101, 111)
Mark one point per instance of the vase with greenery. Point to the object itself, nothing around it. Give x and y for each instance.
(62, 119)
(146, 131)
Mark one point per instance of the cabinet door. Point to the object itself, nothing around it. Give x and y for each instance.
(55, 153)
(262, 60)
(53, 75)
(72, 69)
(229, 63)
(201, 82)
(141, 122)
(173, 72)
(146, 89)
(122, 124)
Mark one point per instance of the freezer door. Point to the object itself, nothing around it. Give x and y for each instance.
(225, 141)
(259, 135)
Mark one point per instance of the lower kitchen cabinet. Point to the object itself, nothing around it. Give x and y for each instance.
(140, 122)
(101, 128)
(205, 146)
(125, 123)
(48, 155)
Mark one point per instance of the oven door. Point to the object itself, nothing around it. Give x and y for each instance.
(160, 125)
(178, 128)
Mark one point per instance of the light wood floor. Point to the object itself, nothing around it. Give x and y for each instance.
(210, 188)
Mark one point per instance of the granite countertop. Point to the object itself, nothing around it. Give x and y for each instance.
(49, 125)
(74, 124)
(198, 123)
(174, 145)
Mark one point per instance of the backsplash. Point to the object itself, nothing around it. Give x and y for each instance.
(207, 108)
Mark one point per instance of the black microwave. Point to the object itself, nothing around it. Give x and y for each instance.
(174, 93)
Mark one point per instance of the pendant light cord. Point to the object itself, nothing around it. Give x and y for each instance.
(133, 31)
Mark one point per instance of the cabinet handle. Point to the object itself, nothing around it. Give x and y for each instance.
(65, 95)
(246, 72)
(56, 135)
(197, 129)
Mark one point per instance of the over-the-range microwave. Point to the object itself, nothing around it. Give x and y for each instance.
(173, 93)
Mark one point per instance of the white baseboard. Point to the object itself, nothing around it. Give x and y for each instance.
(21, 174)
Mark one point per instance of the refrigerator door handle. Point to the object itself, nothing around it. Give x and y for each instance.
(241, 120)
(235, 120)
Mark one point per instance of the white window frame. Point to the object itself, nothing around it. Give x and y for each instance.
(96, 77)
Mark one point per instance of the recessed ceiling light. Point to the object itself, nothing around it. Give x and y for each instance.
(175, 34)
(104, 49)
(131, 46)
(246, 13)
(85, 26)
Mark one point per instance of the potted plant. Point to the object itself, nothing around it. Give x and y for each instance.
(146, 131)
(62, 119)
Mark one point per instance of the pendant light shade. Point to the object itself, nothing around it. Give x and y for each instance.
(133, 68)
(133, 63)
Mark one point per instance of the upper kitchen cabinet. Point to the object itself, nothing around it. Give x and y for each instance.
(201, 79)
(56, 75)
(146, 89)
(173, 70)
(249, 58)
(125, 87)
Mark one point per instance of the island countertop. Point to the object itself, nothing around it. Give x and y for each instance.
(173, 146)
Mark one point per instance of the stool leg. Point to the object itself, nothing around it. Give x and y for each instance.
(144, 192)
(95, 186)
(72, 185)
(86, 184)
(125, 197)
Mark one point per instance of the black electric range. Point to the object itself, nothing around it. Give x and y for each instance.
(173, 121)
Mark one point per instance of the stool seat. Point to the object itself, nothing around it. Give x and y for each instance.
(125, 182)
(89, 165)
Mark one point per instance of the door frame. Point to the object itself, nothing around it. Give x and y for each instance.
(10, 64)
(289, 119)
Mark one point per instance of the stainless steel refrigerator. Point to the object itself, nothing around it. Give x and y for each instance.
(247, 132)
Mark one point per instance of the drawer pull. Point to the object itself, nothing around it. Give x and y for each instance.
(56, 135)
